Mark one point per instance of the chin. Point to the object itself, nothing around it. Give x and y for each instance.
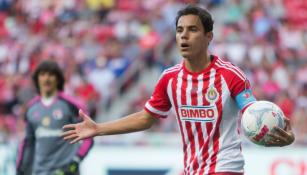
(186, 57)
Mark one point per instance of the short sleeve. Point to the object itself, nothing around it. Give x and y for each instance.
(239, 86)
(159, 104)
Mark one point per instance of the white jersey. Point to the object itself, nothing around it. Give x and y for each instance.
(207, 114)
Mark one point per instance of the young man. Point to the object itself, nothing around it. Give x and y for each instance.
(206, 94)
(43, 151)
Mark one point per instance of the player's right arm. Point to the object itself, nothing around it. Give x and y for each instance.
(156, 107)
(138, 121)
(26, 150)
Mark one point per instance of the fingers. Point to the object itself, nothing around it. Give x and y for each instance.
(67, 133)
(75, 140)
(271, 143)
(281, 132)
(69, 137)
(279, 137)
(288, 124)
(69, 126)
(276, 138)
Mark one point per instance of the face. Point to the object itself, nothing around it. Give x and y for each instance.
(192, 41)
(47, 83)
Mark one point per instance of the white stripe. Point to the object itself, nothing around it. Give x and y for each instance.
(229, 139)
(156, 111)
(171, 69)
(200, 84)
(188, 91)
(184, 130)
(221, 66)
(193, 128)
(212, 79)
(210, 145)
(225, 95)
(170, 92)
(233, 66)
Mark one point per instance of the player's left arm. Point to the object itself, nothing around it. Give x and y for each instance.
(242, 93)
(279, 136)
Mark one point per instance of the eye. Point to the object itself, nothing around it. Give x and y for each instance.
(179, 29)
(193, 29)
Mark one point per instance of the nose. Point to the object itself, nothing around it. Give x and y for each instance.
(184, 34)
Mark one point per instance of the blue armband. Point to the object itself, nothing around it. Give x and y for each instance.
(245, 98)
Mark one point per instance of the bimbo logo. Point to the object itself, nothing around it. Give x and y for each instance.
(198, 113)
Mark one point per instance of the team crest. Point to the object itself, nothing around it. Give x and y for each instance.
(46, 121)
(212, 95)
(57, 114)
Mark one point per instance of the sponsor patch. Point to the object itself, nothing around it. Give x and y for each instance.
(198, 113)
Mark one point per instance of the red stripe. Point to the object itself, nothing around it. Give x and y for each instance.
(194, 158)
(191, 142)
(205, 146)
(200, 142)
(216, 136)
(175, 84)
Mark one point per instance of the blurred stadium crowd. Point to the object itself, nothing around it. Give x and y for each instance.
(105, 45)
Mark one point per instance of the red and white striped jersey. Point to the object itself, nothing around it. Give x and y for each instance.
(207, 114)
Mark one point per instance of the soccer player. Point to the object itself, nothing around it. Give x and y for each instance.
(206, 94)
(43, 151)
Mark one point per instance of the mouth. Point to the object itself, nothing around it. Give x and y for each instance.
(47, 83)
(184, 46)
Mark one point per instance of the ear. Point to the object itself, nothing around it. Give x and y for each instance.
(209, 35)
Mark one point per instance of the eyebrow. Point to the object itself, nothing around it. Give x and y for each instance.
(187, 26)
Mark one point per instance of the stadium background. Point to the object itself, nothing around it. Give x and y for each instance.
(113, 51)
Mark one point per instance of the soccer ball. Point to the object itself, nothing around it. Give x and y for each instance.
(260, 118)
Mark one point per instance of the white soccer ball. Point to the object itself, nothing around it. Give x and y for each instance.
(260, 118)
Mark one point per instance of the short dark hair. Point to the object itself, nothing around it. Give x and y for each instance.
(203, 14)
(50, 67)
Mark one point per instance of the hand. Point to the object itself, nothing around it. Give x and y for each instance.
(79, 131)
(281, 137)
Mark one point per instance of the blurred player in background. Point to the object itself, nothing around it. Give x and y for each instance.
(43, 151)
(206, 94)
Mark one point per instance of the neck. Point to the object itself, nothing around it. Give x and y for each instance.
(197, 65)
(48, 94)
